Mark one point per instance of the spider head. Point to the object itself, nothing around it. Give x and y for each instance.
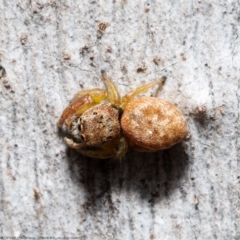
(97, 125)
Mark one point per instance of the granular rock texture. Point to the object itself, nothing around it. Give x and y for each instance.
(52, 49)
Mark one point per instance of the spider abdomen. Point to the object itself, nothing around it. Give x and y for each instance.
(153, 124)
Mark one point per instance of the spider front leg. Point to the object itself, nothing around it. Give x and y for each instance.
(127, 98)
(80, 103)
(85, 99)
(114, 149)
(73, 144)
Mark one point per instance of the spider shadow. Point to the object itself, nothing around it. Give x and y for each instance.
(149, 176)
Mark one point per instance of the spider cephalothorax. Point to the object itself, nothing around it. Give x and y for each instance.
(103, 125)
(98, 125)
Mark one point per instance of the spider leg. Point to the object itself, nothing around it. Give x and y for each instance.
(97, 94)
(141, 89)
(122, 147)
(74, 106)
(97, 153)
(102, 151)
(138, 148)
(73, 144)
(112, 92)
(113, 149)
(80, 103)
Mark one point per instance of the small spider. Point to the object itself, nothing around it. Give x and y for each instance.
(101, 124)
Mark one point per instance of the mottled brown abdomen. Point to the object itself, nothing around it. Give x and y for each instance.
(152, 124)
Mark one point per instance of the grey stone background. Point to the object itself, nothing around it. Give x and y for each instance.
(52, 49)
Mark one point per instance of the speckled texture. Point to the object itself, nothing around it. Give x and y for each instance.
(53, 49)
(100, 124)
(153, 124)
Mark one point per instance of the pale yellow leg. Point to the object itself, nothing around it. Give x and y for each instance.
(139, 90)
(112, 92)
(73, 107)
(78, 113)
(114, 149)
(103, 151)
(122, 147)
(97, 94)
(97, 153)
(73, 144)
(81, 102)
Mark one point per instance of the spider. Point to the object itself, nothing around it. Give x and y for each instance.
(101, 124)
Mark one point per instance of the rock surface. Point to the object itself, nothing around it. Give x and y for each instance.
(52, 49)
